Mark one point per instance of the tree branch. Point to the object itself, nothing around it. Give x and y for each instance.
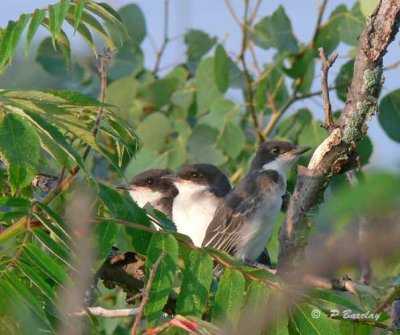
(326, 64)
(160, 53)
(330, 157)
(108, 313)
(152, 275)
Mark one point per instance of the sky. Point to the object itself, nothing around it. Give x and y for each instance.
(213, 17)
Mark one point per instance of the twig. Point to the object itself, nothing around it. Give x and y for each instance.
(253, 55)
(255, 10)
(321, 11)
(249, 81)
(392, 296)
(108, 313)
(21, 224)
(160, 53)
(233, 14)
(326, 64)
(392, 66)
(152, 274)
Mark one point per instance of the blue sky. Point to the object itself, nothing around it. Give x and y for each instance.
(213, 17)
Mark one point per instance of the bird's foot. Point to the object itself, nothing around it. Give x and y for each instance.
(255, 264)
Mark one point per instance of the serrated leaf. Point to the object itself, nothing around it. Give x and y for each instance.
(275, 31)
(18, 30)
(19, 148)
(389, 116)
(85, 33)
(221, 68)
(164, 277)
(78, 10)
(5, 44)
(92, 22)
(228, 299)
(303, 321)
(196, 282)
(106, 235)
(36, 21)
(106, 12)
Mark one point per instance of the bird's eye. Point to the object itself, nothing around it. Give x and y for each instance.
(275, 151)
(149, 181)
(195, 175)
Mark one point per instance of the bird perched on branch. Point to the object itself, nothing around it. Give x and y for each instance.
(201, 188)
(150, 187)
(244, 221)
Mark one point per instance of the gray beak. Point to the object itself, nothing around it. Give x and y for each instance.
(123, 186)
(300, 150)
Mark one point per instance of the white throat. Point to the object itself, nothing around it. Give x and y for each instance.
(193, 209)
(143, 195)
(282, 166)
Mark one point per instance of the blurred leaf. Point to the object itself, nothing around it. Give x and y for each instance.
(389, 116)
(78, 10)
(158, 93)
(277, 306)
(221, 68)
(228, 299)
(52, 60)
(122, 93)
(275, 31)
(291, 127)
(367, 6)
(19, 148)
(36, 20)
(198, 44)
(5, 54)
(14, 202)
(155, 122)
(256, 298)
(146, 159)
(353, 328)
(165, 275)
(206, 88)
(85, 33)
(18, 30)
(304, 323)
(312, 134)
(232, 140)
(196, 283)
(364, 149)
(134, 21)
(221, 112)
(106, 234)
(201, 146)
(343, 79)
(334, 299)
(236, 75)
(273, 86)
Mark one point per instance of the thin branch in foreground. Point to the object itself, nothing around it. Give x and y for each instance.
(152, 275)
(326, 64)
(321, 11)
(108, 313)
(166, 39)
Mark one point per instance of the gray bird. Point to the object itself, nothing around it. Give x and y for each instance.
(244, 221)
(150, 187)
(201, 188)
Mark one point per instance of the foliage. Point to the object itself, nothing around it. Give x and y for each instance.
(181, 115)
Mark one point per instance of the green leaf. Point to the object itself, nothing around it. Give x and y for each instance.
(106, 236)
(78, 10)
(198, 44)
(201, 146)
(367, 6)
(364, 149)
(36, 20)
(221, 112)
(275, 31)
(389, 116)
(158, 93)
(335, 299)
(52, 60)
(303, 321)
(343, 79)
(85, 33)
(349, 327)
(106, 12)
(256, 297)
(277, 304)
(206, 87)
(221, 68)
(46, 264)
(14, 202)
(5, 46)
(134, 21)
(125, 209)
(228, 299)
(19, 148)
(232, 140)
(19, 28)
(145, 131)
(312, 134)
(291, 127)
(165, 274)
(196, 282)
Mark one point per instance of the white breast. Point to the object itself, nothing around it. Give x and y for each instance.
(192, 211)
(142, 196)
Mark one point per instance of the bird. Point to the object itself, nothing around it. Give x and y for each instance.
(243, 223)
(150, 187)
(201, 188)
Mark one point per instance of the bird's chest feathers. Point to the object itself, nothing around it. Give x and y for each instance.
(193, 210)
(145, 196)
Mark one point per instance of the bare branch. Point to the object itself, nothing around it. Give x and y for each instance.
(360, 104)
(321, 11)
(166, 39)
(152, 275)
(108, 313)
(326, 64)
(233, 14)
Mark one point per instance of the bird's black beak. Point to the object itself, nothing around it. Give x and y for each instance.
(298, 150)
(123, 186)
